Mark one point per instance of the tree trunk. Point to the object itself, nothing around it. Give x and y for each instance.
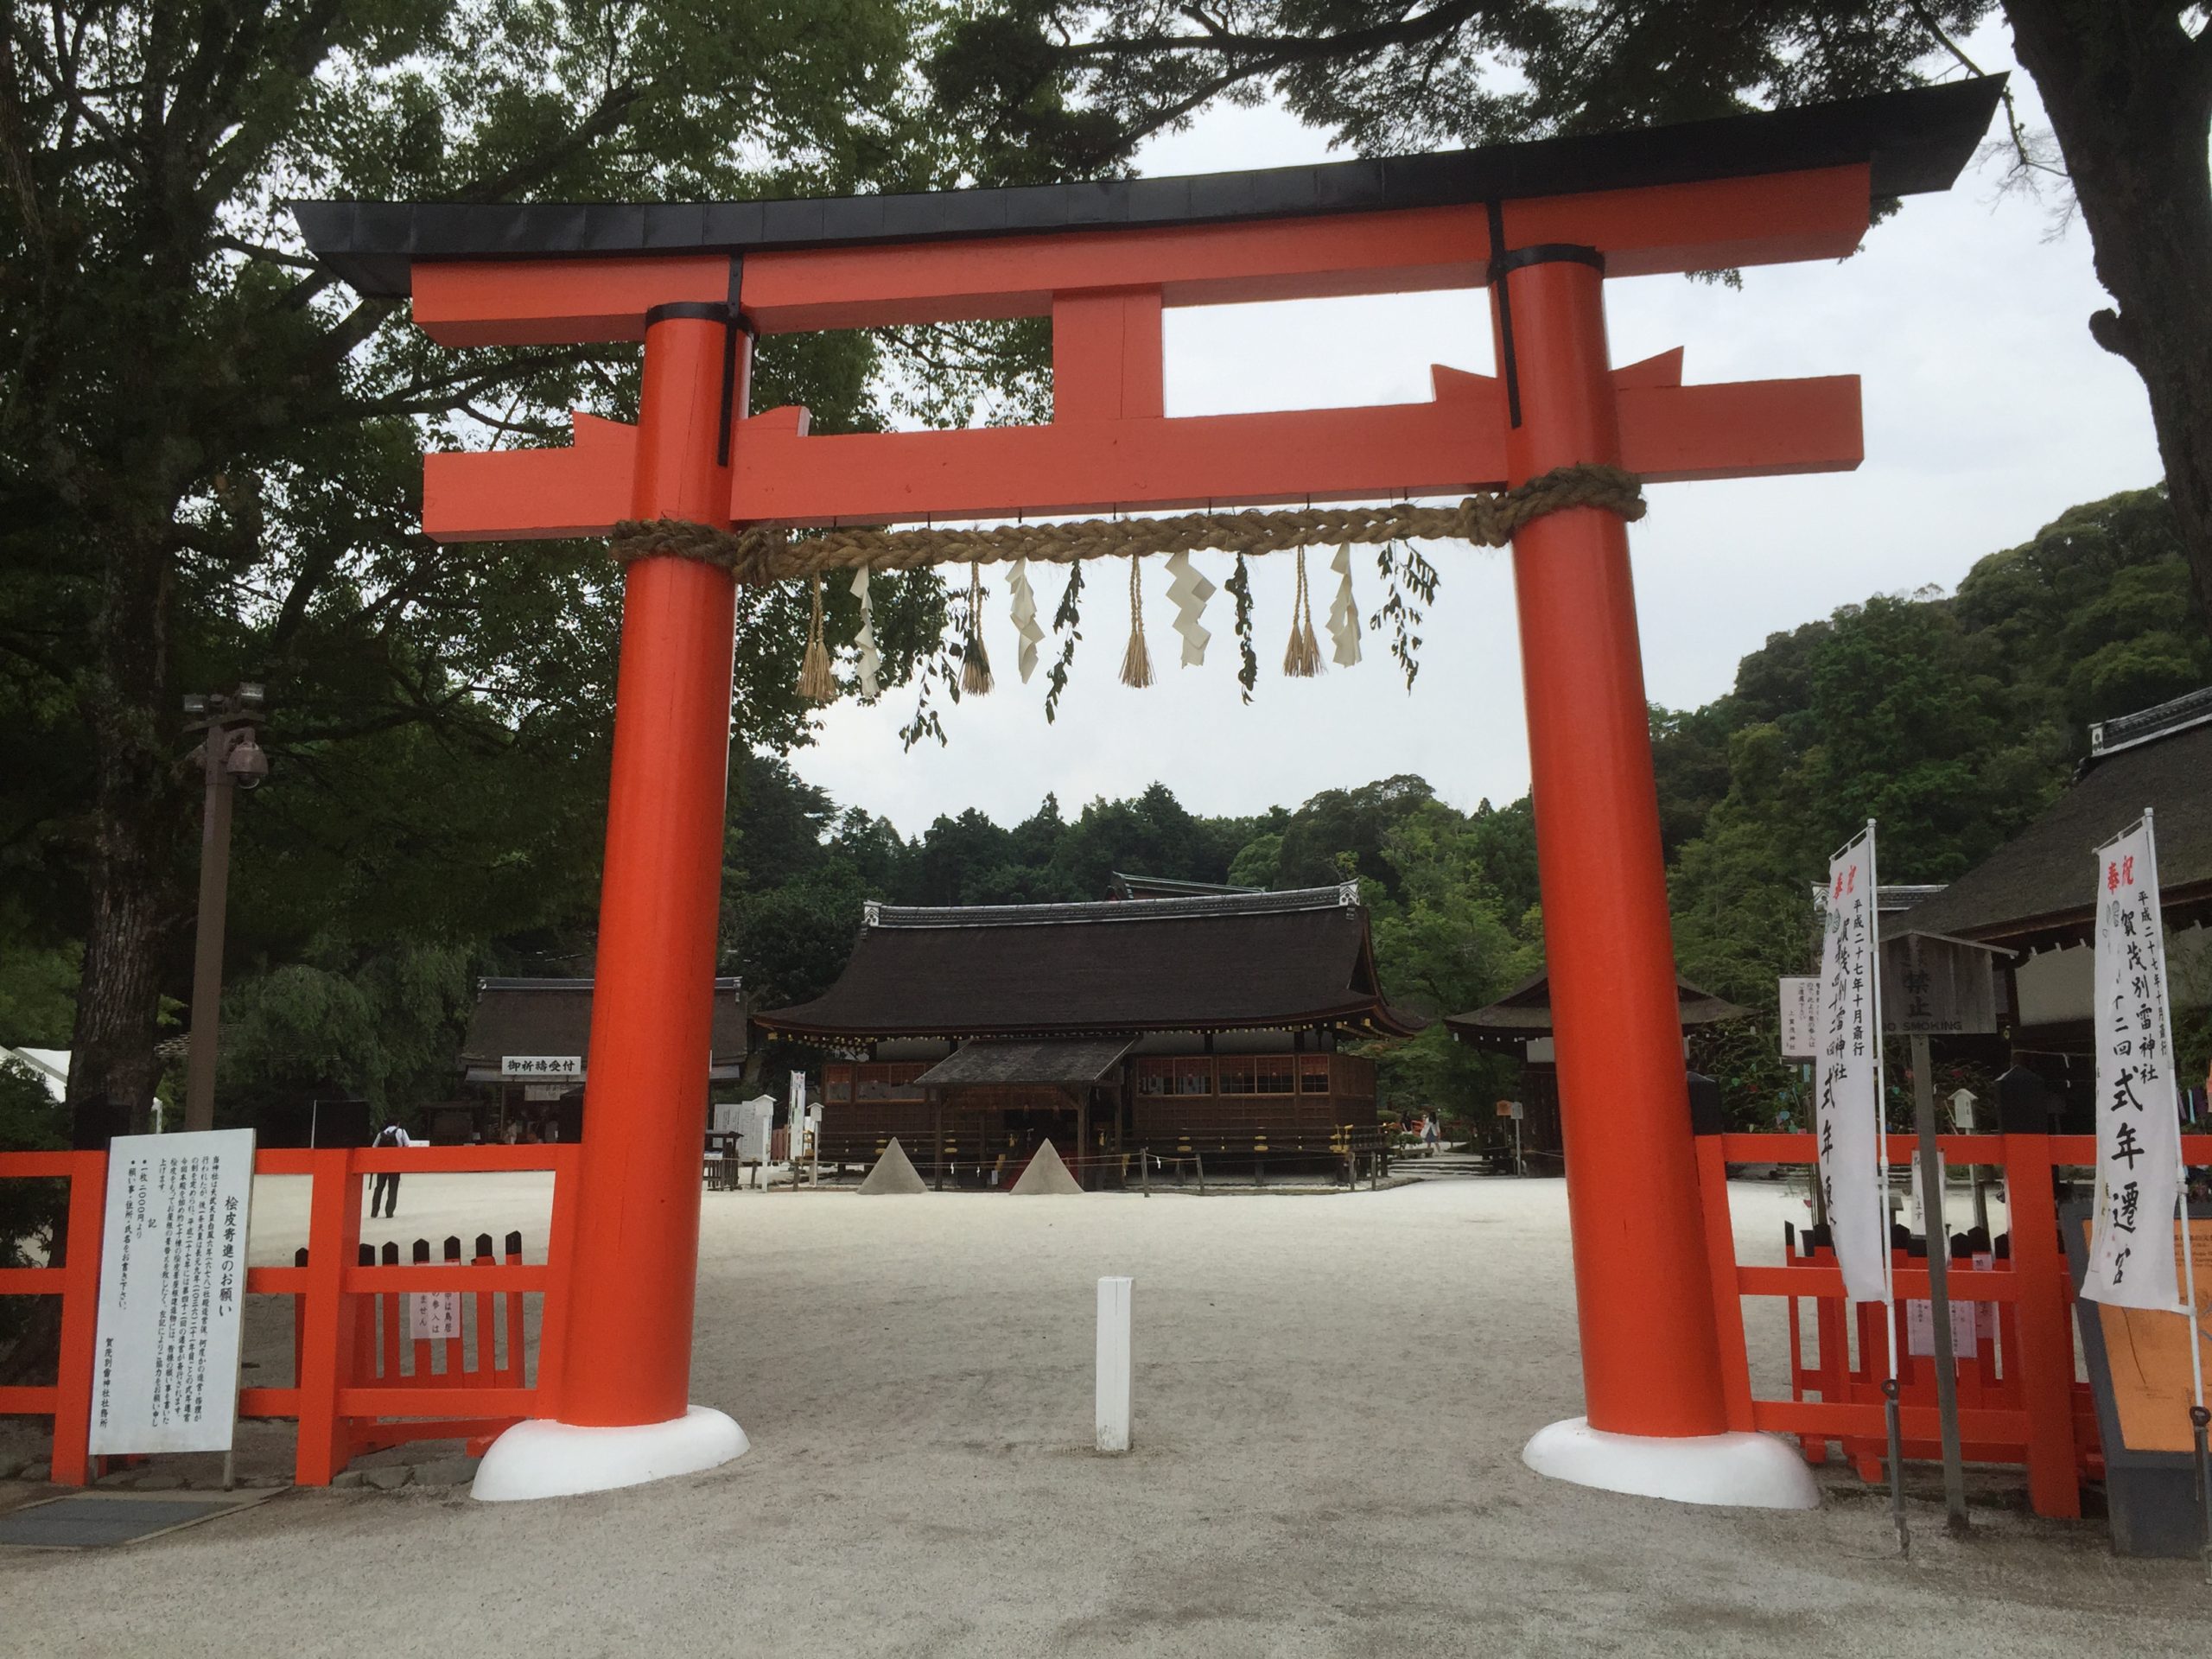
(2129, 95)
(134, 907)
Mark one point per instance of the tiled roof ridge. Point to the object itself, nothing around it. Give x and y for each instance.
(2165, 719)
(1344, 894)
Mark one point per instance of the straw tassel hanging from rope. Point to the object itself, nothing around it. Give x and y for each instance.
(1302, 659)
(975, 662)
(816, 682)
(1137, 661)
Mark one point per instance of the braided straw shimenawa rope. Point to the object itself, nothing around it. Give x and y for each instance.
(760, 553)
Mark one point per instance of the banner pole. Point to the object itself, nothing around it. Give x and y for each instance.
(2199, 1417)
(1882, 1184)
(1936, 1225)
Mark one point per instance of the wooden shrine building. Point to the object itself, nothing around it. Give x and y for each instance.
(1520, 1023)
(527, 1051)
(2036, 896)
(1210, 1024)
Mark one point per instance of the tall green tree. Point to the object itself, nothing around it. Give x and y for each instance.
(2126, 85)
(1953, 720)
(206, 445)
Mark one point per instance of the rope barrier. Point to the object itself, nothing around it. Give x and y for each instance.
(762, 553)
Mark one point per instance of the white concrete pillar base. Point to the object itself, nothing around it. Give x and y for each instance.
(1748, 1470)
(545, 1459)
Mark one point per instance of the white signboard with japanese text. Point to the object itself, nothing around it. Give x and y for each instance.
(1848, 1076)
(528, 1066)
(172, 1291)
(1800, 1017)
(2131, 1248)
(432, 1315)
(805, 1119)
(754, 1121)
(1920, 1329)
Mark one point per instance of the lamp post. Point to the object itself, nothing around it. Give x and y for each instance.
(230, 759)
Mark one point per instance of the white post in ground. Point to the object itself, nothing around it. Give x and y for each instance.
(1114, 1364)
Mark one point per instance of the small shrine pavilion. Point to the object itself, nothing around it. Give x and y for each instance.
(1209, 1026)
(1520, 1023)
(529, 1048)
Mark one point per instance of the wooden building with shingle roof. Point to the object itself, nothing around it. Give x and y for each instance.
(1208, 1024)
(2036, 896)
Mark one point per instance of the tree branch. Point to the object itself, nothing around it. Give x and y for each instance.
(267, 256)
(612, 110)
(2023, 155)
(1288, 48)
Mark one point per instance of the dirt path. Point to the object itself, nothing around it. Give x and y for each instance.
(1330, 1397)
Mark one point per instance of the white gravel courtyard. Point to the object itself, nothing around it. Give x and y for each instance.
(1331, 1392)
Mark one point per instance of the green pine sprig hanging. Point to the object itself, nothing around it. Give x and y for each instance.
(1411, 580)
(1065, 623)
(1248, 655)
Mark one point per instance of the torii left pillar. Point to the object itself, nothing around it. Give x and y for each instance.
(624, 1379)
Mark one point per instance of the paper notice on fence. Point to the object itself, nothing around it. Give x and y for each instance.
(1920, 1329)
(1847, 1103)
(165, 1372)
(433, 1316)
(2132, 1248)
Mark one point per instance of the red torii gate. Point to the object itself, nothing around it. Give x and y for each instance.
(1541, 224)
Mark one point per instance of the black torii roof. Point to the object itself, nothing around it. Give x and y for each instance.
(1913, 141)
(1216, 963)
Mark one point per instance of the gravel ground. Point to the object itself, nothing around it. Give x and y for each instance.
(1331, 1392)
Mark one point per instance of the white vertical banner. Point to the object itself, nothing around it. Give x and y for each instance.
(2131, 1249)
(1848, 1108)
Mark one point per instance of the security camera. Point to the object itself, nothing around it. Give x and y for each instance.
(247, 763)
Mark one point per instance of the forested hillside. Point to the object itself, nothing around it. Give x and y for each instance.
(370, 894)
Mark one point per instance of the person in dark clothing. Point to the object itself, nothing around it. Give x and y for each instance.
(385, 1191)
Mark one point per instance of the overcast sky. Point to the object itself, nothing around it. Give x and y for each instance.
(1988, 410)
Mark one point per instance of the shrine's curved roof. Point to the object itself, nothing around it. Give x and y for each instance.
(1912, 142)
(1216, 963)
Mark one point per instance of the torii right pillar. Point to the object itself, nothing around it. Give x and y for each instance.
(1657, 1420)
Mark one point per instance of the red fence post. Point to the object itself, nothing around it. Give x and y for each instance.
(333, 1237)
(1707, 1125)
(2046, 1367)
(80, 1303)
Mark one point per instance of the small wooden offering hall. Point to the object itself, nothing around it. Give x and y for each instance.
(1206, 1029)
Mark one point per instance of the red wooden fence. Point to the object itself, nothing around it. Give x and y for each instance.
(348, 1393)
(2020, 1405)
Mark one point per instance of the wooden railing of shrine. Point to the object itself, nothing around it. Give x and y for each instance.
(2019, 1401)
(345, 1400)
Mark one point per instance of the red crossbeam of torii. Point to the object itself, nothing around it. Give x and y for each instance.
(1540, 226)
(1109, 444)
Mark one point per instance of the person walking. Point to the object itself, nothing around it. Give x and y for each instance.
(385, 1191)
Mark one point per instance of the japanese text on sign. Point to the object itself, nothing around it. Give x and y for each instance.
(172, 1290)
(540, 1065)
(2139, 1126)
(1847, 1073)
(1800, 1018)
